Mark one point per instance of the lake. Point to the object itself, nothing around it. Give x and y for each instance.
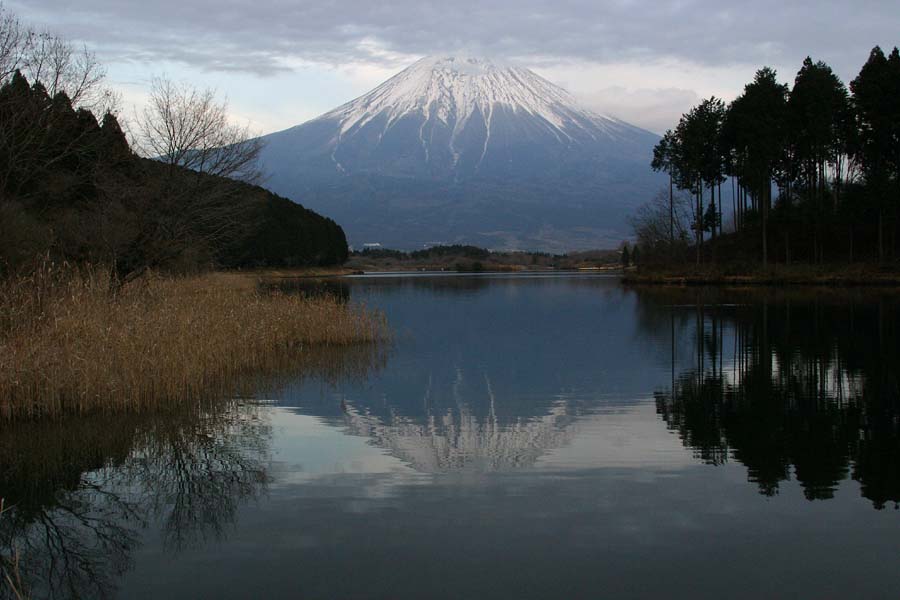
(524, 436)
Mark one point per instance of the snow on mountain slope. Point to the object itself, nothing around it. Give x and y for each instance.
(453, 89)
(492, 148)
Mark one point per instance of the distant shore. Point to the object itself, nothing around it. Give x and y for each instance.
(470, 259)
(824, 275)
(846, 275)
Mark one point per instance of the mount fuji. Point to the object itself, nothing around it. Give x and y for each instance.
(466, 150)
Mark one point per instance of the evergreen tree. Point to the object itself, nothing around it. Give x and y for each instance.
(664, 160)
(835, 159)
(112, 140)
(698, 158)
(818, 119)
(711, 218)
(757, 129)
(875, 107)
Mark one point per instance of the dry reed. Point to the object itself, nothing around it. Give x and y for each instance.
(69, 345)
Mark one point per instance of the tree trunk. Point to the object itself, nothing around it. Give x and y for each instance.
(671, 210)
(787, 247)
(712, 200)
(851, 243)
(719, 214)
(734, 214)
(764, 210)
(699, 224)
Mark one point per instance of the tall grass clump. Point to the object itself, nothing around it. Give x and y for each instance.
(72, 342)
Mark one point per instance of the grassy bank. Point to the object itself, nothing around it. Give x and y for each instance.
(833, 275)
(68, 345)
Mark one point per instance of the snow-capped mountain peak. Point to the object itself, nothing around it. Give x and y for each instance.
(466, 150)
(451, 89)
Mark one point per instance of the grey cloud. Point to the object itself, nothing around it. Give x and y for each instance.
(257, 36)
(653, 109)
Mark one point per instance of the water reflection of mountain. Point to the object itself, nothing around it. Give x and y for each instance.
(791, 385)
(490, 372)
(79, 493)
(457, 440)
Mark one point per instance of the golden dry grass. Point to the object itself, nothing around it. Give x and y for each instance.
(70, 346)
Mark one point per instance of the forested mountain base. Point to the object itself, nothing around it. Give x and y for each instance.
(72, 189)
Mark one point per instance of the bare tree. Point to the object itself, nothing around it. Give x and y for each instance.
(656, 221)
(193, 203)
(187, 127)
(12, 41)
(63, 67)
(57, 64)
(45, 83)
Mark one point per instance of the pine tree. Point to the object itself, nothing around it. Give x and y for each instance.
(698, 159)
(112, 141)
(710, 218)
(664, 159)
(818, 115)
(756, 124)
(874, 104)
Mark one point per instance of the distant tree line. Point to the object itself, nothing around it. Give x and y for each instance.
(72, 188)
(453, 250)
(813, 171)
(472, 259)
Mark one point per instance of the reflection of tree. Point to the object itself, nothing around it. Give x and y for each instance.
(201, 471)
(59, 521)
(80, 491)
(788, 385)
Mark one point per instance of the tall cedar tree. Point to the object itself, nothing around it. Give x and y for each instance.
(757, 122)
(875, 93)
(819, 117)
(664, 160)
(695, 158)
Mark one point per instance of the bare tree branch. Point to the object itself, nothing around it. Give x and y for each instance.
(44, 57)
(187, 127)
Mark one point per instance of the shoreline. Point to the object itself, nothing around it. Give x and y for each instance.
(779, 276)
(802, 275)
(371, 269)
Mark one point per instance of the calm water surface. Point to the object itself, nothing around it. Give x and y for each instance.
(525, 437)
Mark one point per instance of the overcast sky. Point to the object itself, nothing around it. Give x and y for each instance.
(281, 62)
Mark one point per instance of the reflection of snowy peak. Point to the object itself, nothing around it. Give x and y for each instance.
(448, 133)
(455, 442)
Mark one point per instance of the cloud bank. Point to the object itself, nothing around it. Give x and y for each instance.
(695, 37)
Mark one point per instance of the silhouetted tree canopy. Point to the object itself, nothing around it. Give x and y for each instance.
(833, 157)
